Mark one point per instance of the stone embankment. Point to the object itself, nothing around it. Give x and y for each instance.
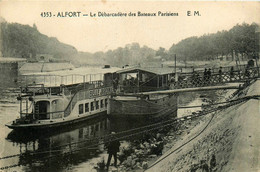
(232, 137)
(230, 141)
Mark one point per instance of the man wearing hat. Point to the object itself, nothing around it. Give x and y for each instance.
(112, 149)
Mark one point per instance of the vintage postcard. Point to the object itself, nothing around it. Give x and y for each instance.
(129, 86)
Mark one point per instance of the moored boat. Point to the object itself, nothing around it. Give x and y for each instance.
(51, 106)
(130, 102)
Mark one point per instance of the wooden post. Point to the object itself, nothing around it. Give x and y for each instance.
(257, 67)
(21, 107)
(33, 107)
(175, 63)
(162, 80)
(176, 76)
(167, 76)
(84, 80)
(157, 81)
(175, 70)
(26, 106)
(50, 112)
(138, 80)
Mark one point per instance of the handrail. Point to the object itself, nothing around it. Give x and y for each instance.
(236, 68)
(78, 91)
(42, 113)
(223, 71)
(69, 104)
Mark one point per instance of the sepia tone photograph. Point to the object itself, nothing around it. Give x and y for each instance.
(129, 86)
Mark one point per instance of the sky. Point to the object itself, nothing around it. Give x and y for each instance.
(92, 34)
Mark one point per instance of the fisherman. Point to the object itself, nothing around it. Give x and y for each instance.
(212, 163)
(112, 149)
(204, 166)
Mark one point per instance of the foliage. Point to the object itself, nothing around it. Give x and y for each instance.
(25, 41)
(130, 54)
(240, 40)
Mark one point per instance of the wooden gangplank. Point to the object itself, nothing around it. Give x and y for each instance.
(184, 90)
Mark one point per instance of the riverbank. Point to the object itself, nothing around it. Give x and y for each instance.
(232, 137)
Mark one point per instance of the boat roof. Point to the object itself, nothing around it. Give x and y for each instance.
(78, 71)
(68, 77)
(154, 70)
(11, 59)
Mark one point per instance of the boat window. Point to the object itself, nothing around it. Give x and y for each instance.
(86, 107)
(42, 110)
(81, 133)
(105, 102)
(81, 109)
(92, 129)
(105, 126)
(101, 103)
(92, 106)
(101, 124)
(97, 104)
(97, 127)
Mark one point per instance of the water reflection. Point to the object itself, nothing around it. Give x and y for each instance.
(53, 150)
(59, 146)
(60, 149)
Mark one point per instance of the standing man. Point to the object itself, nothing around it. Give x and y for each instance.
(112, 149)
(220, 74)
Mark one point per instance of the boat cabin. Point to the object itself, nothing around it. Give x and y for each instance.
(142, 79)
(38, 102)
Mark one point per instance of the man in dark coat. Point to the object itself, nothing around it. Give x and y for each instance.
(112, 149)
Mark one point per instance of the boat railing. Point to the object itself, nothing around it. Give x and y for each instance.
(199, 79)
(216, 69)
(136, 89)
(41, 116)
(56, 80)
(35, 89)
(40, 89)
(81, 95)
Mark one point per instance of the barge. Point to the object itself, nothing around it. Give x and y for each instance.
(129, 102)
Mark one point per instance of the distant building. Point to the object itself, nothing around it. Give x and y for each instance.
(9, 69)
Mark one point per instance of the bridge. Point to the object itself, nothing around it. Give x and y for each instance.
(165, 81)
(219, 76)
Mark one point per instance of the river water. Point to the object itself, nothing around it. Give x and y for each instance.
(15, 143)
(20, 144)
